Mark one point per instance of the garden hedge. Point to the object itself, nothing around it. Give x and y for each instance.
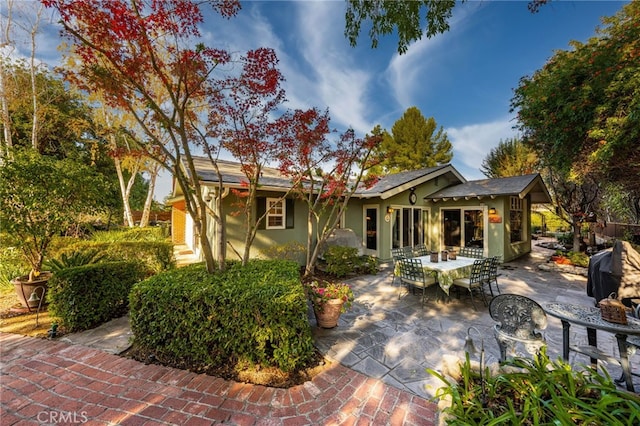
(156, 256)
(255, 314)
(86, 296)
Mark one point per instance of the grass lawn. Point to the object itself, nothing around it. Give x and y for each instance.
(20, 321)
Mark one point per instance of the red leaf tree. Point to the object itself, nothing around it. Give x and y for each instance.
(325, 174)
(143, 55)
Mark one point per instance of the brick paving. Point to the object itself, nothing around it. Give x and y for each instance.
(52, 382)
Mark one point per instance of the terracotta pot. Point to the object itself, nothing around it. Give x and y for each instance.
(328, 314)
(24, 288)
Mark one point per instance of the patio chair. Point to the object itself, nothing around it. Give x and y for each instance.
(492, 273)
(519, 321)
(475, 281)
(474, 252)
(397, 254)
(420, 250)
(412, 274)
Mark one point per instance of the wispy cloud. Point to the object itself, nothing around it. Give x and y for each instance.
(336, 79)
(472, 143)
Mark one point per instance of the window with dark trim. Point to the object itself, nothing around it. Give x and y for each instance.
(516, 219)
(280, 216)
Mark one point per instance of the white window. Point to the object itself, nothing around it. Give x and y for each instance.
(275, 213)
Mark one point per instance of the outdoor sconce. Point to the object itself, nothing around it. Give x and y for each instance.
(389, 209)
(492, 210)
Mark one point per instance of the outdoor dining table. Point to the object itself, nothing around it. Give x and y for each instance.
(591, 318)
(448, 270)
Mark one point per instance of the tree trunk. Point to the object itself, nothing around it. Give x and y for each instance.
(577, 234)
(34, 90)
(144, 220)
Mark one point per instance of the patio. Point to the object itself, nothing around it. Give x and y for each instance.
(395, 340)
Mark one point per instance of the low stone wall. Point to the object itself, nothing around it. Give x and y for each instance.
(565, 269)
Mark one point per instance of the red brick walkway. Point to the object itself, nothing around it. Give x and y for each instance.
(50, 382)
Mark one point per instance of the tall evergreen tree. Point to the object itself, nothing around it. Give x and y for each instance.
(414, 143)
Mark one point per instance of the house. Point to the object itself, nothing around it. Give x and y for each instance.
(436, 206)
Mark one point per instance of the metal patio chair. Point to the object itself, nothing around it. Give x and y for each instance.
(474, 281)
(413, 275)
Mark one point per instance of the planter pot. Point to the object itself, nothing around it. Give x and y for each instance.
(327, 316)
(24, 288)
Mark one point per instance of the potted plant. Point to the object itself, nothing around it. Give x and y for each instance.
(40, 198)
(329, 301)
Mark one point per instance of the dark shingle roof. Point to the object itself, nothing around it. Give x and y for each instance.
(515, 185)
(392, 184)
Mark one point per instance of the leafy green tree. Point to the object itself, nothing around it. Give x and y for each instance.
(41, 197)
(579, 113)
(63, 114)
(414, 143)
(383, 17)
(510, 158)
(402, 16)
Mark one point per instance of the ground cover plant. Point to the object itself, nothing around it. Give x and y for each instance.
(534, 392)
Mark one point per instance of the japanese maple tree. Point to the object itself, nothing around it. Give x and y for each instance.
(145, 53)
(325, 173)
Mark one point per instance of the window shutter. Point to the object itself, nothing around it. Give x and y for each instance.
(261, 207)
(290, 213)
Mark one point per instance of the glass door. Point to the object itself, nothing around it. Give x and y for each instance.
(371, 230)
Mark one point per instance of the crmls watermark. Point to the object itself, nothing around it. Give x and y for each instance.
(62, 417)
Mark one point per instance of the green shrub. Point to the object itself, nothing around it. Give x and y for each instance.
(537, 391)
(292, 250)
(342, 261)
(255, 314)
(150, 233)
(12, 265)
(76, 258)
(86, 296)
(578, 258)
(157, 256)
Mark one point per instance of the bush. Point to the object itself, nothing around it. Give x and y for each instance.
(255, 314)
(12, 265)
(156, 256)
(292, 250)
(130, 234)
(86, 296)
(342, 261)
(537, 391)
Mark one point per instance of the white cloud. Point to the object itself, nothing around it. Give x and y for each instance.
(472, 143)
(335, 78)
(407, 72)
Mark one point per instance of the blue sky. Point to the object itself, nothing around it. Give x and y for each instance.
(464, 78)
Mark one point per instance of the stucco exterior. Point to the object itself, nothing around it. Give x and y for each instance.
(434, 206)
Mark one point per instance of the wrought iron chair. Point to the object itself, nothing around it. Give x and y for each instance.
(519, 321)
(397, 254)
(412, 274)
(420, 250)
(475, 252)
(474, 281)
(492, 273)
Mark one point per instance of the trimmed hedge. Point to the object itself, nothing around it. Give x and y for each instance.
(156, 256)
(255, 314)
(86, 296)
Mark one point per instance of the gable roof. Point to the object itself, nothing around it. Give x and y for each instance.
(393, 184)
(492, 188)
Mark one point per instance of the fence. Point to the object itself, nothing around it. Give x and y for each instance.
(620, 230)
